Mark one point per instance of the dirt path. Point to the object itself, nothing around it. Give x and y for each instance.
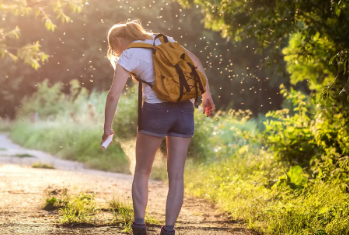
(22, 197)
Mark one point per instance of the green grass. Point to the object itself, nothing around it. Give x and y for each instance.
(56, 199)
(42, 165)
(123, 212)
(73, 142)
(241, 186)
(84, 209)
(3, 149)
(23, 155)
(79, 209)
(72, 209)
(5, 125)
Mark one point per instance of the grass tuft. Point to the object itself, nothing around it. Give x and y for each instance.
(83, 209)
(43, 165)
(123, 212)
(56, 199)
(79, 209)
(23, 155)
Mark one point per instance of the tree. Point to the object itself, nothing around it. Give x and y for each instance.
(10, 43)
(271, 22)
(309, 35)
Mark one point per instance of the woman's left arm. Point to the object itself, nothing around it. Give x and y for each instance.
(120, 78)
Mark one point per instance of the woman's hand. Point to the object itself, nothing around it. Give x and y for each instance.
(106, 134)
(207, 105)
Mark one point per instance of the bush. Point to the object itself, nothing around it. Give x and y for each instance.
(126, 117)
(222, 135)
(291, 138)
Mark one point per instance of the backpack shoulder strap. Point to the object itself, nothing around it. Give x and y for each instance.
(140, 45)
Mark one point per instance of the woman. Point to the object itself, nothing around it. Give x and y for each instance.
(160, 119)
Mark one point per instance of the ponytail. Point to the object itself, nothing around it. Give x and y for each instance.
(131, 30)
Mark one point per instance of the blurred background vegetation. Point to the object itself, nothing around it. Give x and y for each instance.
(76, 49)
(276, 153)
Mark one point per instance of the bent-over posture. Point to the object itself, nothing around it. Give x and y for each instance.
(159, 118)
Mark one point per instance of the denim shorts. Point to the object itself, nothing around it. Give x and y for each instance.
(168, 119)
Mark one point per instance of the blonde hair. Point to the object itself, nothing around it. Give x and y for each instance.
(131, 30)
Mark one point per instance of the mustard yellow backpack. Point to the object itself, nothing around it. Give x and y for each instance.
(176, 77)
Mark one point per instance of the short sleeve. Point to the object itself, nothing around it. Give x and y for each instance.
(171, 39)
(128, 61)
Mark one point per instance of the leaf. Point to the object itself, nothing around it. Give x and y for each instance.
(345, 66)
(243, 149)
(295, 175)
(44, 57)
(338, 12)
(51, 201)
(331, 60)
(13, 57)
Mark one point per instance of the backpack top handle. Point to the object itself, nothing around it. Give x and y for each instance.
(160, 35)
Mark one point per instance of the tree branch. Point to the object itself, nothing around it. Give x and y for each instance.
(37, 2)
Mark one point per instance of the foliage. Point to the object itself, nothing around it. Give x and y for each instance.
(79, 209)
(298, 185)
(9, 10)
(302, 66)
(317, 32)
(253, 187)
(5, 125)
(78, 51)
(230, 129)
(331, 114)
(311, 137)
(271, 22)
(51, 201)
(332, 136)
(58, 198)
(224, 134)
(290, 136)
(73, 142)
(126, 116)
(48, 101)
(283, 186)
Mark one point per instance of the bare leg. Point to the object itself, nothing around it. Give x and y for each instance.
(177, 148)
(146, 147)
